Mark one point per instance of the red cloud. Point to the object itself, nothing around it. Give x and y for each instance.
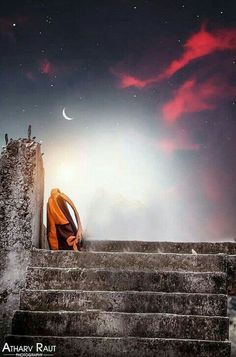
(50, 69)
(47, 68)
(127, 80)
(194, 97)
(130, 81)
(200, 44)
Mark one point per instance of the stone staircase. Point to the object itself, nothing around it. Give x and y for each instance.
(126, 299)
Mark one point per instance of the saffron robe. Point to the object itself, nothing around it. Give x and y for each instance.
(62, 232)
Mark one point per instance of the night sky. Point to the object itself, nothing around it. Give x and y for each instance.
(151, 87)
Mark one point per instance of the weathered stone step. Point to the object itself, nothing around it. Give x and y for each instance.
(117, 324)
(136, 261)
(124, 301)
(125, 347)
(111, 280)
(164, 247)
(232, 274)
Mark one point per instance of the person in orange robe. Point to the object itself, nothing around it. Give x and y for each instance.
(62, 232)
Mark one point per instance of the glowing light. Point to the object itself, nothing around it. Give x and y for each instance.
(65, 173)
(110, 177)
(121, 167)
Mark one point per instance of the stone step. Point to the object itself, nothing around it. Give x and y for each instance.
(231, 274)
(124, 301)
(123, 347)
(98, 279)
(117, 324)
(136, 261)
(164, 247)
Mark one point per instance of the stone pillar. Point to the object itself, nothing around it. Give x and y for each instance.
(21, 219)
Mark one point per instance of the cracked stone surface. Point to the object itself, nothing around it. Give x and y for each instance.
(100, 279)
(126, 301)
(128, 346)
(21, 202)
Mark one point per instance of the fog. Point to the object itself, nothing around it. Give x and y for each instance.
(125, 187)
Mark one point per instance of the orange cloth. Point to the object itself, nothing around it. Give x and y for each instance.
(55, 217)
(72, 242)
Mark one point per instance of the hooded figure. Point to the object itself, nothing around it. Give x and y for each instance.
(62, 232)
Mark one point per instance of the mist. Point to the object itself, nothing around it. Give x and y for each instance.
(128, 186)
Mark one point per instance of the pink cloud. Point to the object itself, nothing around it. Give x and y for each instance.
(200, 44)
(195, 97)
(46, 67)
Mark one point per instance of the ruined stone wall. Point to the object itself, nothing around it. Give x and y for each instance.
(21, 215)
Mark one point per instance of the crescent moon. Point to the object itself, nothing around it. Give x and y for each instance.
(66, 116)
